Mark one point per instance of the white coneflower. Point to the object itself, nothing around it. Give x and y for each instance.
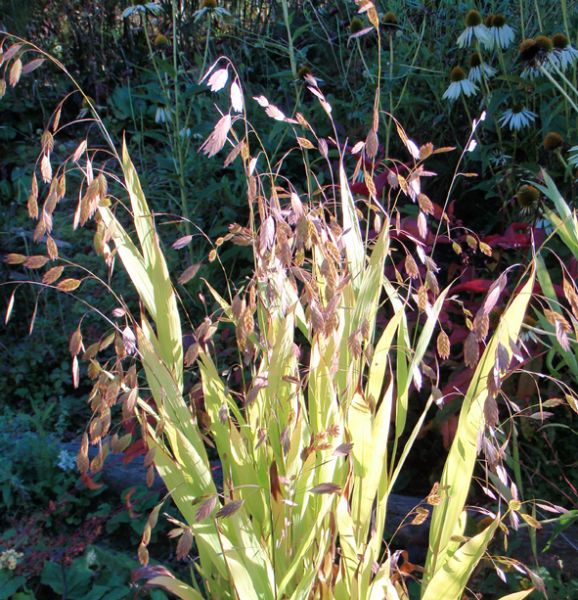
(500, 34)
(536, 54)
(475, 29)
(211, 9)
(459, 85)
(162, 114)
(479, 69)
(517, 117)
(564, 52)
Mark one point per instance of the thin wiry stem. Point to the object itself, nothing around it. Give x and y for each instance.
(559, 87)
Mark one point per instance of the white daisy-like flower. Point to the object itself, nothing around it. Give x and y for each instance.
(479, 69)
(530, 73)
(476, 74)
(517, 117)
(211, 9)
(536, 54)
(565, 53)
(475, 30)
(162, 114)
(66, 461)
(459, 85)
(500, 34)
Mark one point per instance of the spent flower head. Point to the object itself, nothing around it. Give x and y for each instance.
(475, 30)
(356, 25)
(389, 22)
(459, 85)
(517, 117)
(527, 196)
(552, 141)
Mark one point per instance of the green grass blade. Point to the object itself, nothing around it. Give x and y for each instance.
(518, 595)
(165, 311)
(354, 247)
(176, 587)
(459, 466)
(563, 219)
(568, 356)
(406, 374)
(450, 580)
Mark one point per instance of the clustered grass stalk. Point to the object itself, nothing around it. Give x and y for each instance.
(291, 51)
(207, 43)
(313, 440)
(174, 105)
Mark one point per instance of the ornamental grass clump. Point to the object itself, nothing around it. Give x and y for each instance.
(333, 359)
